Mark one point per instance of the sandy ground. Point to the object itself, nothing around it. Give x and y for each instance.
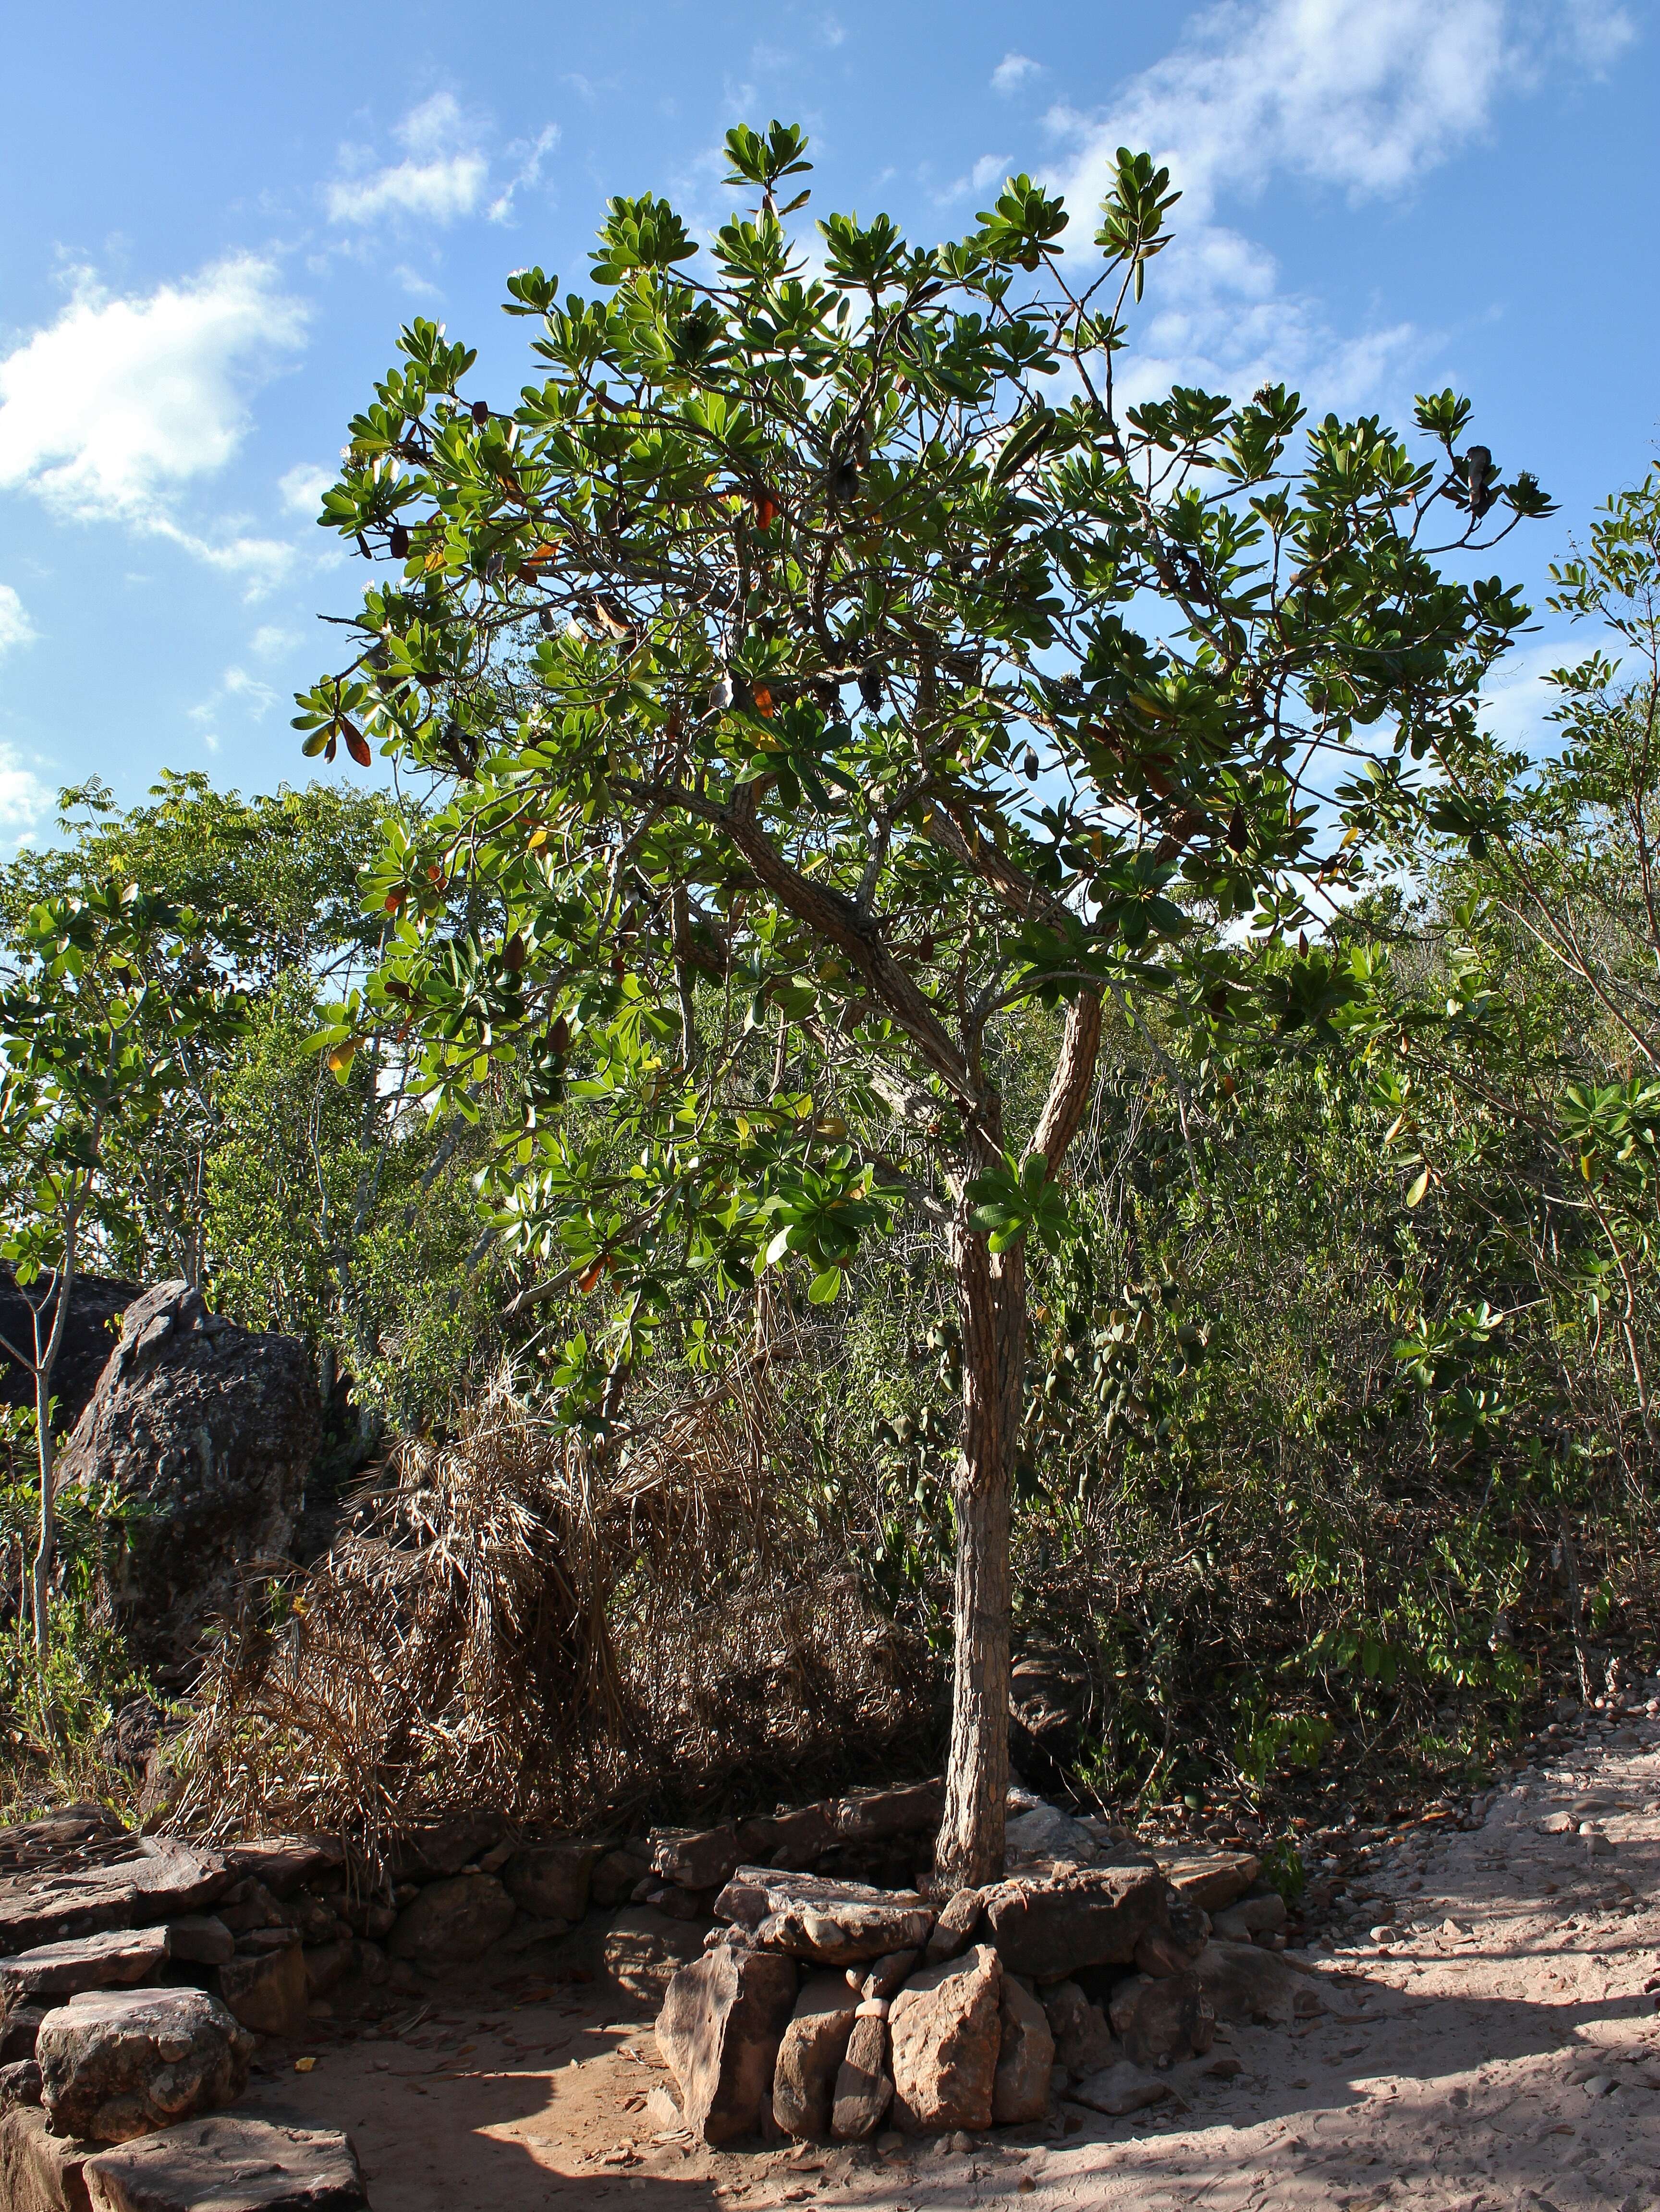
(1496, 2048)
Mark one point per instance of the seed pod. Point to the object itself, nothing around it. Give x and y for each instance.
(559, 1036)
(1029, 765)
(481, 412)
(513, 954)
(870, 687)
(1238, 836)
(397, 543)
(548, 620)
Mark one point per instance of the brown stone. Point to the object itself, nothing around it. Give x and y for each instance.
(229, 2164)
(1120, 2089)
(837, 1923)
(1173, 2018)
(1246, 1984)
(201, 1938)
(864, 2086)
(889, 1975)
(326, 1964)
(1084, 2042)
(283, 1862)
(644, 1950)
(430, 1850)
(453, 1922)
(1026, 2059)
(551, 1880)
(615, 1875)
(809, 2057)
(267, 1990)
(1077, 1916)
(118, 2063)
(698, 1858)
(869, 1816)
(20, 2083)
(18, 2031)
(719, 2031)
(945, 2026)
(953, 1930)
(115, 1959)
(145, 1878)
(791, 1839)
(1158, 1953)
(40, 2172)
(1211, 1879)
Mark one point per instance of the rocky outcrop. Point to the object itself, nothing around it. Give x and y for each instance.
(117, 2064)
(96, 1305)
(98, 1878)
(719, 2031)
(212, 1429)
(229, 2164)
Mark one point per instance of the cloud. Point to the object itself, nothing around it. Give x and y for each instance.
(15, 628)
(1012, 72)
(442, 177)
(110, 412)
(990, 169)
(302, 487)
(529, 154)
(270, 639)
(23, 798)
(235, 688)
(1364, 96)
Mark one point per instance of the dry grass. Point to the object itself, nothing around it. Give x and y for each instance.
(517, 1621)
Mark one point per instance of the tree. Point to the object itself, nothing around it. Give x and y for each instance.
(84, 1067)
(776, 653)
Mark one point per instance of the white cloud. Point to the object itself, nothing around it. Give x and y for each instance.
(270, 639)
(110, 412)
(302, 487)
(23, 798)
(442, 178)
(1363, 95)
(990, 169)
(528, 155)
(1012, 72)
(15, 628)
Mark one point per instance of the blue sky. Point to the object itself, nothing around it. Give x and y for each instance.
(213, 221)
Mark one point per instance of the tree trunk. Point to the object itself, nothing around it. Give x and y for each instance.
(991, 1299)
(45, 1358)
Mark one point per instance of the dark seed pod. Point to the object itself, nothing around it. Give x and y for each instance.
(398, 543)
(481, 412)
(870, 687)
(1030, 765)
(844, 483)
(548, 620)
(1238, 836)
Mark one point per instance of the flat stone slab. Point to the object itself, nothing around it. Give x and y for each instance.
(282, 1862)
(835, 1923)
(229, 2164)
(1210, 1880)
(1075, 1916)
(136, 1880)
(40, 2172)
(115, 1959)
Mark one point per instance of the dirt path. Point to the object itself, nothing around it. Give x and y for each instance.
(1498, 2048)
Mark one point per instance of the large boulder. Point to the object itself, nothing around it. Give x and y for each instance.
(118, 2063)
(96, 1305)
(946, 2027)
(229, 2164)
(211, 1430)
(721, 2023)
(1025, 2059)
(267, 1990)
(1075, 1916)
(113, 1960)
(552, 1881)
(1246, 1984)
(644, 1950)
(809, 2057)
(453, 1922)
(834, 1924)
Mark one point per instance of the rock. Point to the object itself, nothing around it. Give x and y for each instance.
(662, 2108)
(700, 1858)
(20, 2083)
(40, 2172)
(202, 1938)
(1120, 2089)
(115, 1959)
(1046, 1833)
(117, 2064)
(722, 2020)
(283, 1862)
(871, 1816)
(864, 2087)
(1210, 1880)
(1246, 1984)
(953, 1931)
(452, 1922)
(267, 1990)
(945, 2026)
(1189, 1925)
(1225, 2066)
(790, 1840)
(211, 1430)
(1083, 1917)
(551, 1880)
(250, 1905)
(1252, 1916)
(810, 2056)
(614, 1876)
(428, 1850)
(1126, 1995)
(889, 1975)
(679, 1904)
(1158, 1953)
(18, 2031)
(229, 2164)
(138, 1880)
(130, 1739)
(644, 1950)
(1025, 2059)
(837, 1923)
(96, 1305)
(1173, 2018)
(1084, 2043)
(326, 1966)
